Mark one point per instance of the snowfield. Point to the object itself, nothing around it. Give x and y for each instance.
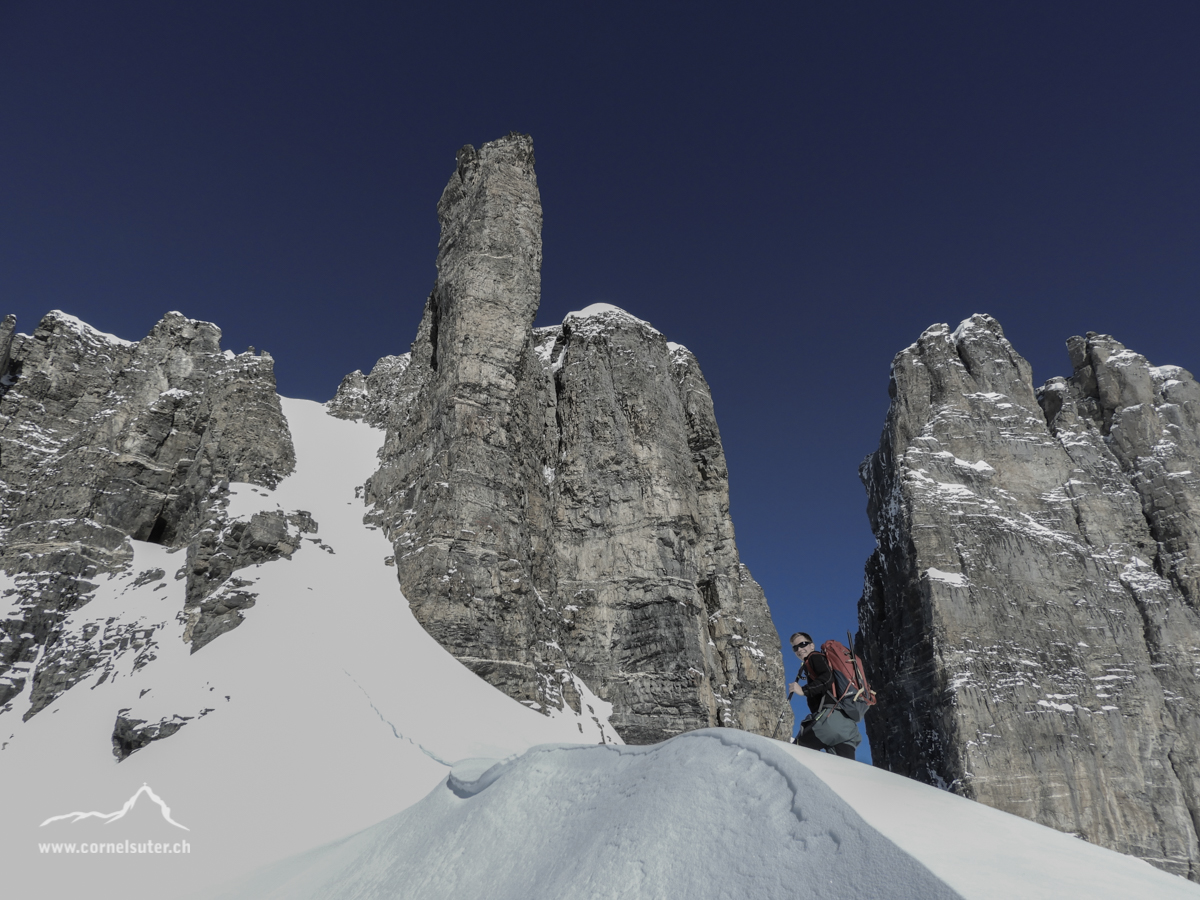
(330, 720)
(710, 814)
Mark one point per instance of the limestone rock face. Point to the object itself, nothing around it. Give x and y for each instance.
(558, 497)
(1030, 617)
(103, 440)
(370, 398)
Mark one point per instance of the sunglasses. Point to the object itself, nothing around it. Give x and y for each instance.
(796, 647)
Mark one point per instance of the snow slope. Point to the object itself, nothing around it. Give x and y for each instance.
(327, 710)
(710, 814)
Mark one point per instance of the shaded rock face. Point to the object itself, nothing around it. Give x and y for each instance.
(131, 735)
(1030, 617)
(558, 497)
(103, 440)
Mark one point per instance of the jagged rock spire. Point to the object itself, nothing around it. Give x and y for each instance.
(558, 498)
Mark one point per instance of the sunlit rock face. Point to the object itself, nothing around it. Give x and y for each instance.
(103, 440)
(558, 497)
(1030, 617)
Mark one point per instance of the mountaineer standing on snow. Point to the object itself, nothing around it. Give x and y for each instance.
(835, 701)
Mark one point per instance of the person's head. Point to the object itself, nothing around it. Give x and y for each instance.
(802, 644)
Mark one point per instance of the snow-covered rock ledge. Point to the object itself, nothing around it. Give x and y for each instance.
(712, 813)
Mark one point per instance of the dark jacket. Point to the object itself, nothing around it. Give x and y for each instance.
(818, 679)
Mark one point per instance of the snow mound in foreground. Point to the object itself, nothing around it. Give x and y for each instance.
(713, 813)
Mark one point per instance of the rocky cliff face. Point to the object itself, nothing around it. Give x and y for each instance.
(1031, 616)
(103, 440)
(558, 497)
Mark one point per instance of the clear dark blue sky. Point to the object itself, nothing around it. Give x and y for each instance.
(794, 191)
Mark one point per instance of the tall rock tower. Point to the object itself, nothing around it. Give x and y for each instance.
(1032, 612)
(558, 497)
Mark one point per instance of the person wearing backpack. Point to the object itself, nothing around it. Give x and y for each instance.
(829, 726)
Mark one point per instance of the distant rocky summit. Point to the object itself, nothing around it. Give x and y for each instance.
(558, 497)
(1032, 613)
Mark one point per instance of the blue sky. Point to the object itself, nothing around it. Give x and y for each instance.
(794, 191)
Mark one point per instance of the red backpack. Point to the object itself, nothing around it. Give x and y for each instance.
(852, 685)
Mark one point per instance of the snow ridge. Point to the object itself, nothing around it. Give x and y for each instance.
(712, 813)
(716, 813)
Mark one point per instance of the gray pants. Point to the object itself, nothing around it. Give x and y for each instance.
(806, 738)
